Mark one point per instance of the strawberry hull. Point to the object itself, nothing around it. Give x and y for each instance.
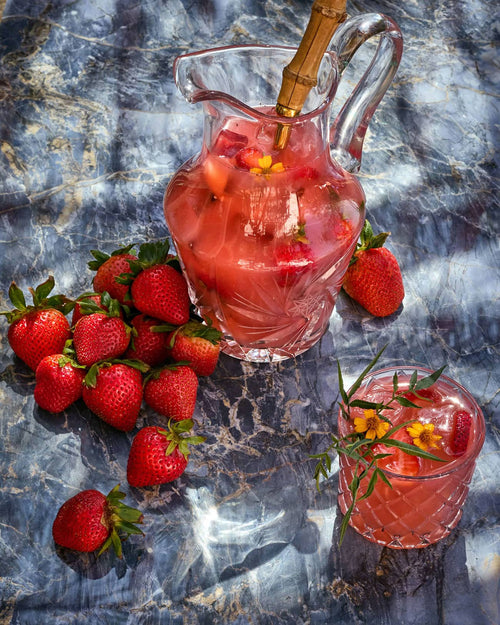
(426, 498)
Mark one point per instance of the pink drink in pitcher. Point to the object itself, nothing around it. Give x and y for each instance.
(265, 236)
(426, 498)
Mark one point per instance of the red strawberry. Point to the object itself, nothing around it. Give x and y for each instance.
(159, 455)
(247, 158)
(374, 278)
(113, 391)
(462, 423)
(108, 269)
(293, 260)
(58, 382)
(90, 521)
(77, 310)
(198, 344)
(40, 329)
(100, 335)
(146, 345)
(171, 391)
(229, 142)
(159, 290)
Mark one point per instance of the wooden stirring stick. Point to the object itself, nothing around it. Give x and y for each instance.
(300, 75)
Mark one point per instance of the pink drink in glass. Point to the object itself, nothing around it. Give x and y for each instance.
(265, 252)
(426, 498)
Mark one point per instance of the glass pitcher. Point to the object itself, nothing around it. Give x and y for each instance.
(265, 235)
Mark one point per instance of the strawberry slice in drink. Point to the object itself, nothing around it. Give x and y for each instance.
(247, 158)
(228, 143)
(292, 261)
(462, 423)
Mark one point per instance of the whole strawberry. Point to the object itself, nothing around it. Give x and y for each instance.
(171, 391)
(90, 521)
(113, 391)
(160, 455)
(158, 289)
(100, 335)
(108, 268)
(374, 278)
(197, 344)
(40, 329)
(146, 344)
(59, 380)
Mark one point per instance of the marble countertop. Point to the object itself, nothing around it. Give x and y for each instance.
(91, 130)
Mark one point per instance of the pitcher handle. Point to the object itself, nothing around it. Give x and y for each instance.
(348, 130)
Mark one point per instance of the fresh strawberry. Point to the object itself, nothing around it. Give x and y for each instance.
(292, 260)
(247, 158)
(171, 391)
(147, 345)
(160, 455)
(197, 344)
(40, 329)
(108, 269)
(229, 142)
(462, 423)
(374, 278)
(59, 381)
(90, 521)
(86, 297)
(113, 391)
(158, 289)
(100, 335)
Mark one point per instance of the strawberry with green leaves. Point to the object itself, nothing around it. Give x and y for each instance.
(198, 345)
(100, 334)
(58, 381)
(108, 268)
(89, 521)
(40, 329)
(160, 455)
(171, 391)
(373, 278)
(157, 288)
(113, 391)
(146, 344)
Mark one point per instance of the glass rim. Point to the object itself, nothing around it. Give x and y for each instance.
(460, 461)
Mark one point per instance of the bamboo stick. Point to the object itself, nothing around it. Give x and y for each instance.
(300, 75)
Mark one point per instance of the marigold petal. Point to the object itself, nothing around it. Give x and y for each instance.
(415, 429)
(418, 443)
(265, 162)
(256, 170)
(382, 428)
(360, 425)
(371, 434)
(277, 167)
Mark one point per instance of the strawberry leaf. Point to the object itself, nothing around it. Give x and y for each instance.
(16, 296)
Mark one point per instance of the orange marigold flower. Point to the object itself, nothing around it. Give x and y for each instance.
(423, 435)
(266, 166)
(371, 425)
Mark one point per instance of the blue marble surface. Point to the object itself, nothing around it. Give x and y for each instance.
(91, 130)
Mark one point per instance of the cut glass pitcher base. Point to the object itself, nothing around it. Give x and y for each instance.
(264, 354)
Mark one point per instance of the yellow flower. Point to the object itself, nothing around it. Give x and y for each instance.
(371, 424)
(266, 166)
(423, 435)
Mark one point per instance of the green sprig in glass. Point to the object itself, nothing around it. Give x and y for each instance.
(359, 447)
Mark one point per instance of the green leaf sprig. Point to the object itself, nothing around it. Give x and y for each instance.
(359, 448)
